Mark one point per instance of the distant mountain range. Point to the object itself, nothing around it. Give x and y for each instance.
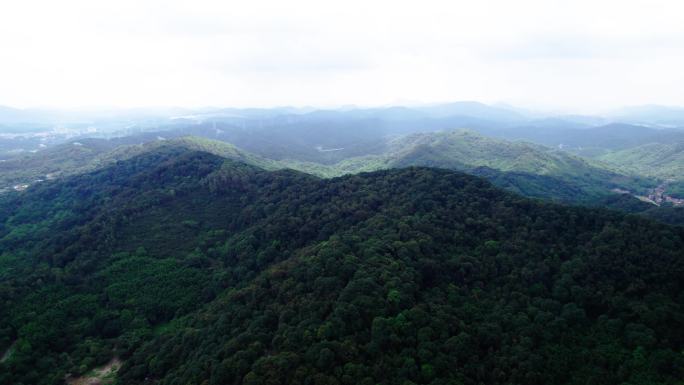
(110, 120)
(654, 115)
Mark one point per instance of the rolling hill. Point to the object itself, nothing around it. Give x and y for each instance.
(664, 160)
(190, 268)
(587, 141)
(83, 155)
(541, 171)
(526, 168)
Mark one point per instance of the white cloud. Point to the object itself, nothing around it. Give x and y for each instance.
(581, 55)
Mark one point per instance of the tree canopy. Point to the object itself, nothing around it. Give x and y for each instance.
(194, 269)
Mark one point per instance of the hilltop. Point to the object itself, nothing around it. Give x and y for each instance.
(191, 267)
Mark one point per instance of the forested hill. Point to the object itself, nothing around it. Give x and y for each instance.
(193, 269)
(528, 169)
(84, 155)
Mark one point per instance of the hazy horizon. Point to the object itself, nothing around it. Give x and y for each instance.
(529, 112)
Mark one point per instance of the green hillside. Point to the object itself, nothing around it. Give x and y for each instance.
(222, 149)
(526, 168)
(65, 159)
(657, 159)
(661, 160)
(193, 269)
(82, 156)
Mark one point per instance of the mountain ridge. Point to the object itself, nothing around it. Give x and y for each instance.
(415, 274)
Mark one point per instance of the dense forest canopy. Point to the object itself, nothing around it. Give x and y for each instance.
(196, 269)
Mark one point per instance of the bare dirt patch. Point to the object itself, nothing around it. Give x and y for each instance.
(99, 376)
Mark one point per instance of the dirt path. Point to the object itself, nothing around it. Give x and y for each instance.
(99, 376)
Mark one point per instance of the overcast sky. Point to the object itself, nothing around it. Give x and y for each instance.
(567, 55)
